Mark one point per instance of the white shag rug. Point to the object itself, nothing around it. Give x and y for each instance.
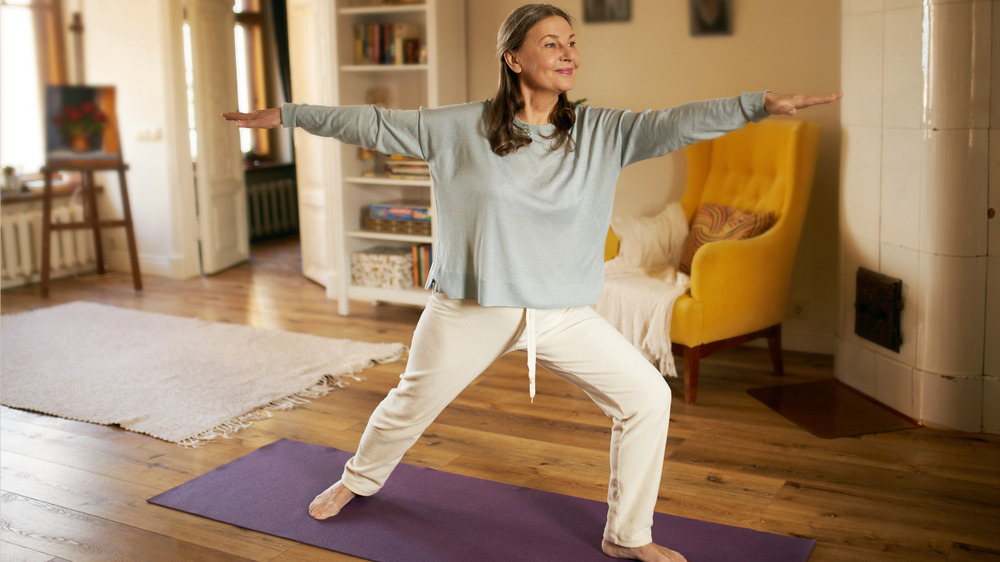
(182, 380)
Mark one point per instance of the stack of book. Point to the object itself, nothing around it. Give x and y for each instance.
(406, 168)
(404, 216)
(386, 43)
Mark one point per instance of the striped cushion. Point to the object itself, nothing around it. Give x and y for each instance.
(717, 222)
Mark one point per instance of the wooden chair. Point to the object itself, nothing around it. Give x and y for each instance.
(739, 288)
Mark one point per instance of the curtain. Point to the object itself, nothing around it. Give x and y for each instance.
(50, 42)
(279, 17)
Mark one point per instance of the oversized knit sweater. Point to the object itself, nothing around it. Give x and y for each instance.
(528, 229)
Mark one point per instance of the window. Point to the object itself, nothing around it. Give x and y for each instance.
(251, 75)
(31, 55)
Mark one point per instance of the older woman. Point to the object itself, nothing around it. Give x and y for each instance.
(523, 187)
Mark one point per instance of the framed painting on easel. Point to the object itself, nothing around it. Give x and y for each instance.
(81, 135)
(81, 126)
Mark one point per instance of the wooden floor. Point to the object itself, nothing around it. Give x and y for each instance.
(77, 491)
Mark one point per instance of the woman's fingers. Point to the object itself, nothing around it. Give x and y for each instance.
(259, 119)
(788, 104)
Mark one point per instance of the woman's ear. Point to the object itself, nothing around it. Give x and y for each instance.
(511, 59)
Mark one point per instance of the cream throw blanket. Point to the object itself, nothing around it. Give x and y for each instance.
(643, 282)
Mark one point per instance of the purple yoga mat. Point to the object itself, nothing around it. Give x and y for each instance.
(424, 514)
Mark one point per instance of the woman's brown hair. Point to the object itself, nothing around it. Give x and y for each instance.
(506, 136)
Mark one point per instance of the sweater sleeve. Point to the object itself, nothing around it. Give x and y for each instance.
(390, 131)
(656, 133)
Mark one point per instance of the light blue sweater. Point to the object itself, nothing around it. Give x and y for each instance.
(526, 229)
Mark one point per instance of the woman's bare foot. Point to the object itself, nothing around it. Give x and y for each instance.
(647, 553)
(331, 501)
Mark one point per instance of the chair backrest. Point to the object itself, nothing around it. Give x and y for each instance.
(762, 167)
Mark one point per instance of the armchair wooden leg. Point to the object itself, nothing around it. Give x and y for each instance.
(692, 356)
(774, 345)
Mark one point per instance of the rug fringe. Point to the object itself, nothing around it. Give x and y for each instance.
(323, 387)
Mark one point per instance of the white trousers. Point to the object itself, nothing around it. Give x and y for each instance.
(456, 340)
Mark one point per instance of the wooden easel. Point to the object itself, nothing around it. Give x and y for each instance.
(91, 220)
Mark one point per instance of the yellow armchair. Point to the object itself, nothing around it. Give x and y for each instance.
(739, 288)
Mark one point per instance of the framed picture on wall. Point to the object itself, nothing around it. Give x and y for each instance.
(596, 11)
(711, 17)
(81, 126)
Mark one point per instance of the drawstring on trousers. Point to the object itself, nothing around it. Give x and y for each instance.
(529, 320)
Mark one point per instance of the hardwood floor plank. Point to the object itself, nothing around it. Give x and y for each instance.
(971, 553)
(76, 536)
(10, 552)
(125, 503)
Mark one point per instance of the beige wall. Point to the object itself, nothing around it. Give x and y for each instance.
(654, 62)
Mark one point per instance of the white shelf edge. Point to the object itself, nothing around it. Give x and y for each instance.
(391, 236)
(375, 180)
(383, 67)
(376, 10)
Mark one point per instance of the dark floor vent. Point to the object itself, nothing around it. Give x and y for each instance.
(878, 309)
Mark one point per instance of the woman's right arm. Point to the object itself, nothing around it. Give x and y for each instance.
(385, 130)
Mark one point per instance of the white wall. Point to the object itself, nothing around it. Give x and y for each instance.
(653, 62)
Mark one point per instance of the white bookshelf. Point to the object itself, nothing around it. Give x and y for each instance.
(437, 78)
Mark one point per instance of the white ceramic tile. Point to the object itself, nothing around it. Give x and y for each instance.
(904, 264)
(855, 366)
(991, 358)
(903, 69)
(894, 385)
(949, 401)
(902, 180)
(861, 69)
(859, 197)
(854, 253)
(991, 405)
(954, 201)
(994, 196)
(959, 65)
(951, 327)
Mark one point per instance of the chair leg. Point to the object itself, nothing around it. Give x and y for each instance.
(774, 345)
(692, 356)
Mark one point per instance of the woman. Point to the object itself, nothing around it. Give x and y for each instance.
(524, 185)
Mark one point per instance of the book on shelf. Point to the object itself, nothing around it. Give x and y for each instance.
(418, 210)
(422, 256)
(386, 43)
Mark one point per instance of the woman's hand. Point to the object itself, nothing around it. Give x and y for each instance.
(788, 104)
(259, 119)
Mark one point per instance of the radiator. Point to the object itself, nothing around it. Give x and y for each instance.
(72, 251)
(272, 208)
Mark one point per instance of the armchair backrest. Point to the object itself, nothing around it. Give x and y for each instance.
(762, 167)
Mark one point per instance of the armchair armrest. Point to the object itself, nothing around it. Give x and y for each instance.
(743, 284)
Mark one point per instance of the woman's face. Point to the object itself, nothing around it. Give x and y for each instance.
(548, 60)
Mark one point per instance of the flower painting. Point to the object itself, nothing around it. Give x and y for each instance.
(80, 126)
